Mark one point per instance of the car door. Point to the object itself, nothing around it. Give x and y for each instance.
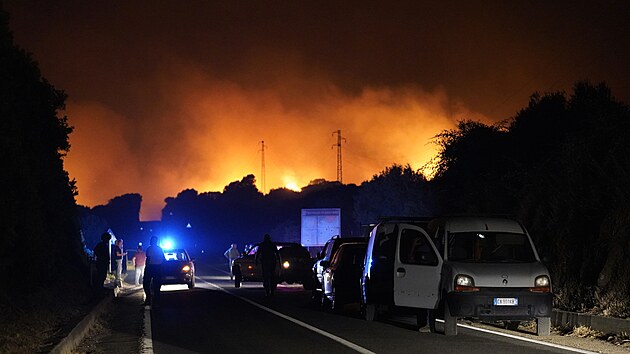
(417, 269)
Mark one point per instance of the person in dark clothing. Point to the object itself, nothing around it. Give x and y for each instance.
(268, 256)
(101, 251)
(152, 281)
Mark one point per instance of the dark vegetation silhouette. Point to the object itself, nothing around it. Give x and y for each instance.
(41, 257)
(561, 165)
(241, 214)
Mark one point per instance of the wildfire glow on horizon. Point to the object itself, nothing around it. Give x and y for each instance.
(216, 140)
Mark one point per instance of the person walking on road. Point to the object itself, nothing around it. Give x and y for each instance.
(268, 256)
(139, 261)
(101, 251)
(153, 273)
(231, 254)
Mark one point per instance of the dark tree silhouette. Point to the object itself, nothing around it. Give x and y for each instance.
(396, 191)
(471, 168)
(42, 256)
(562, 165)
(38, 210)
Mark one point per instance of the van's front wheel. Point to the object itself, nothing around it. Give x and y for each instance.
(511, 325)
(450, 321)
(421, 318)
(543, 326)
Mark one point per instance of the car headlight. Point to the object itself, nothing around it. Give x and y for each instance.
(186, 268)
(286, 264)
(542, 280)
(542, 284)
(465, 283)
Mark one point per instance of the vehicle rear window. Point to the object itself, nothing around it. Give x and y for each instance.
(175, 255)
(295, 252)
(489, 247)
(350, 255)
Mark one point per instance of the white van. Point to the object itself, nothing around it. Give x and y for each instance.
(475, 267)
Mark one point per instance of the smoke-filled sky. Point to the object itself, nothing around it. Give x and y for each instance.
(169, 95)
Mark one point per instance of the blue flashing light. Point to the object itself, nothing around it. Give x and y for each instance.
(167, 244)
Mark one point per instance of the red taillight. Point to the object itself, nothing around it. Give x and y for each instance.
(462, 288)
(540, 289)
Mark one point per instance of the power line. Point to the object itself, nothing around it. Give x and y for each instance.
(339, 165)
(263, 182)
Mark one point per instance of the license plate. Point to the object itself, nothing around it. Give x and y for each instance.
(505, 301)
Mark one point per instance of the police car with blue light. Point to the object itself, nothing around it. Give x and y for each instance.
(179, 267)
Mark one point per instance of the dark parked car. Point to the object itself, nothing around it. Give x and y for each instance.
(178, 268)
(295, 265)
(323, 261)
(342, 280)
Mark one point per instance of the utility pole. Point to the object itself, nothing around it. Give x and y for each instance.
(339, 166)
(262, 167)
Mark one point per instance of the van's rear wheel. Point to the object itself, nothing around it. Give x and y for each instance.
(432, 320)
(450, 322)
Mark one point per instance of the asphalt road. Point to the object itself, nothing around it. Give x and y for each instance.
(217, 318)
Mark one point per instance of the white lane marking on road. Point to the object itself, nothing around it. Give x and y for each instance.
(525, 339)
(147, 337)
(576, 350)
(298, 322)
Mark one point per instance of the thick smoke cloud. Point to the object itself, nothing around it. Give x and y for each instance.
(206, 133)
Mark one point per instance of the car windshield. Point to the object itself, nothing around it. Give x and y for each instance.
(490, 247)
(176, 255)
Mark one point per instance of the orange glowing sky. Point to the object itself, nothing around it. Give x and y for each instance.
(166, 96)
(217, 141)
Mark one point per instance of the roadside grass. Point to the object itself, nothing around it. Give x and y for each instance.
(622, 338)
(37, 321)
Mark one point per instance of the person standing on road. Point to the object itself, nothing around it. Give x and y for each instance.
(101, 251)
(268, 256)
(139, 261)
(231, 254)
(153, 273)
(118, 257)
